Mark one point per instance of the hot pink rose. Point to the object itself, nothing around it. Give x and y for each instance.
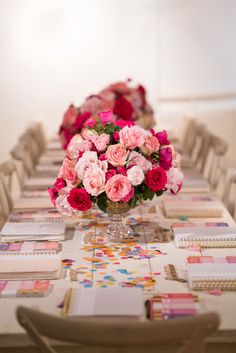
(101, 142)
(151, 145)
(117, 154)
(53, 193)
(135, 175)
(165, 158)
(116, 136)
(132, 137)
(59, 184)
(94, 181)
(137, 159)
(110, 173)
(67, 172)
(122, 170)
(91, 122)
(122, 123)
(106, 117)
(117, 187)
(162, 137)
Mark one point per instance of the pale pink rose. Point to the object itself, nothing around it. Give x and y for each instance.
(135, 175)
(117, 187)
(137, 159)
(67, 172)
(151, 145)
(92, 104)
(175, 179)
(62, 204)
(117, 154)
(94, 180)
(101, 142)
(106, 117)
(73, 150)
(132, 137)
(89, 135)
(86, 163)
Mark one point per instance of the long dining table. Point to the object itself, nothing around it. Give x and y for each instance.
(88, 260)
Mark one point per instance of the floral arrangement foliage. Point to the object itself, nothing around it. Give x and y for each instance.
(115, 161)
(127, 102)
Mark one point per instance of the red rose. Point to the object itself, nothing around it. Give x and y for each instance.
(79, 199)
(80, 120)
(156, 178)
(123, 108)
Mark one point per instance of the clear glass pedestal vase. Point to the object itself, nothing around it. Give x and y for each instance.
(117, 230)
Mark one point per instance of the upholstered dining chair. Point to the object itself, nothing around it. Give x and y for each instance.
(13, 177)
(6, 202)
(118, 336)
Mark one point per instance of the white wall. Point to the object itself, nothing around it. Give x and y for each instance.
(53, 52)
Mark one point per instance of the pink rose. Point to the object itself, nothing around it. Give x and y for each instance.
(137, 159)
(67, 172)
(151, 145)
(94, 180)
(72, 150)
(92, 104)
(135, 175)
(175, 179)
(128, 197)
(117, 187)
(117, 154)
(101, 142)
(89, 135)
(62, 203)
(86, 163)
(132, 137)
(91, 122)
(106, 117)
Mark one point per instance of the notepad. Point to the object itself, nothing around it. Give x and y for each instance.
(206, 237)
(30, 266)
(104, 302)
(38, 288)
(49, 214)
(208, 272)
(14, 231)
(30, 248)
(196, 207)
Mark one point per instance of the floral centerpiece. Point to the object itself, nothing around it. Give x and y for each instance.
(128, 103)
(115, 165)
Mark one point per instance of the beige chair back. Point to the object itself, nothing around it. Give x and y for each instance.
(6, 202)
(118, 336)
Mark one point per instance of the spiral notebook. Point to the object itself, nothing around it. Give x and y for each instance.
(37, 288)
(206, 237)
(195, 207)
(14, 231)
(30, 266)
(208, 272)
(30, 214)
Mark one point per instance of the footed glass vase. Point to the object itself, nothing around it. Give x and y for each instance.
(116, 230)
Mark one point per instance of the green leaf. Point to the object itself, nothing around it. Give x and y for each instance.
(148, 194)
(102, 203)
(109, 129)
(159, 192)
